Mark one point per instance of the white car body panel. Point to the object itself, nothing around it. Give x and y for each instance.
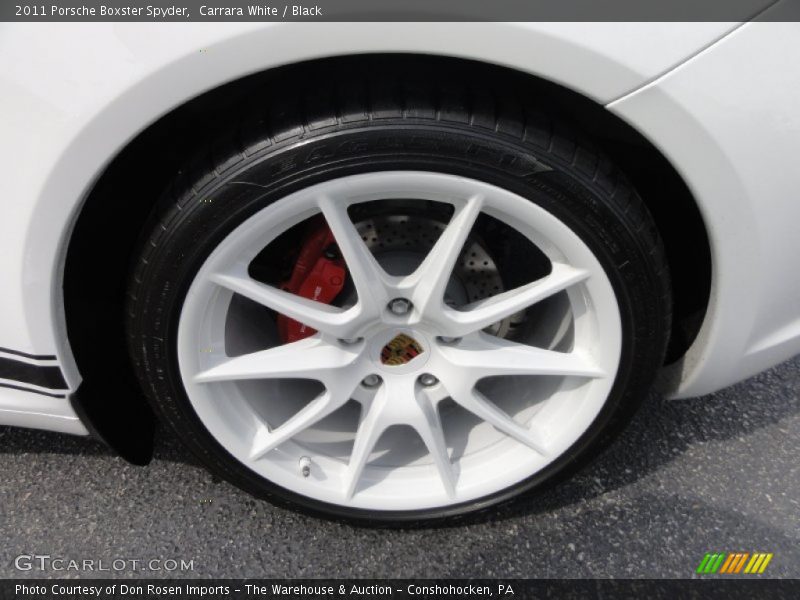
(729, 121)
(25, 409)
(74, 95)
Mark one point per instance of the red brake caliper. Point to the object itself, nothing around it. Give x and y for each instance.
(318, 274)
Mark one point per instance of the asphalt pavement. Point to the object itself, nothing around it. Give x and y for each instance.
(713, 474)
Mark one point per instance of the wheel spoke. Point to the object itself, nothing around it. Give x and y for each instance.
(483, 408)
(322, 317)
(310, 358)
(432, 276)
(429, 427)
(319, 408)
(487, 356)
(368, 276)
(372, 424)
(481, 314)
(397, 403)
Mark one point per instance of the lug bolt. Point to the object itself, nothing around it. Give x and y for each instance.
(371, 381)
(400, 306)
(449, 340)
(428, 380)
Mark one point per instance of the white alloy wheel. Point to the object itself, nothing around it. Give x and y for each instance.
(470, 415)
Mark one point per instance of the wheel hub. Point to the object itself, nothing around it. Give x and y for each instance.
(400, 350)
(394, 351)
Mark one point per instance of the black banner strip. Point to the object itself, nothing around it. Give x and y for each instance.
(397, 10)
(336, 589)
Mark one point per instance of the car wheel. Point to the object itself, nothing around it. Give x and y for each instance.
(399, 309)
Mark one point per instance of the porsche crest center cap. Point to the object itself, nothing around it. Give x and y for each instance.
(401, 350)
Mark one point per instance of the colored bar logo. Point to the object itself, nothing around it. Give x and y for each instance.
(733, 563)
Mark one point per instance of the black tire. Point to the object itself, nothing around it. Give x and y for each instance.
(368, 126)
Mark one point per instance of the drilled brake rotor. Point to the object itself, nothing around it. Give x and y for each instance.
(401, 242)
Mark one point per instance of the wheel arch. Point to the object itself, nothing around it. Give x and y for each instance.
(137, 175)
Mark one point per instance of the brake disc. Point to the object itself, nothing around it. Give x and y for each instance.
(401, 242)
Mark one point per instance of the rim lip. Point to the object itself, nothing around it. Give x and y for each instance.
(284, 212)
